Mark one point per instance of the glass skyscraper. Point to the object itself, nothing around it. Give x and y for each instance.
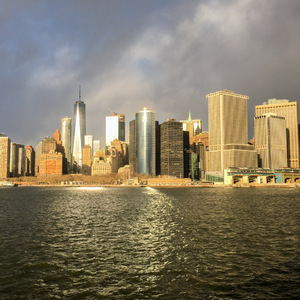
(145, 141)
(79, 130)
(66, 135)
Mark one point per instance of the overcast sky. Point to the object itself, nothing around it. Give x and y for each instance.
(126, 54)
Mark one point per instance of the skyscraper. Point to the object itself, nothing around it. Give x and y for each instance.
(228, 132)
(4, 155)
(194, 127)
(145, 141)
(270, 141)
(114, 128)
(289, 110)
(96, 146)
(79, 129)
(30, 161)
(66, 136)
(89, 140)
(132, 146)
(171, 140)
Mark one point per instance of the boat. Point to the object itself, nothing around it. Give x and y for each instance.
(8, 184)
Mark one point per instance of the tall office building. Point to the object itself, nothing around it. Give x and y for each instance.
(114, 128)
(171, 141)
(145, 133)
(194, 127)
(288, 110)
(270, 141)
(30, 161)
(14, 159)
(96, 146)
(21, 160)
(132, 146)
(4, 155)
(66, 137)
(79, 130)
(228, 132)
(89, 140)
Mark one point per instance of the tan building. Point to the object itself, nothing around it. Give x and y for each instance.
(270, 141)
(48, 145)
(86, 159)
(100, 167)
(4, 156)
(51, 164)
(194, 127)
(228, 132)
(289, 110)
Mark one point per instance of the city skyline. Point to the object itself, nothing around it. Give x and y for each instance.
(162, 54)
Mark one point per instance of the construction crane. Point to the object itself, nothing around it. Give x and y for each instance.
(112, 112)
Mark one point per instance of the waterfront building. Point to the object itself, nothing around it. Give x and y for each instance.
(171, 140)
(4, 156)
(114, 128)
(248, 175)
(270, 141)
(228, 132)
(21, 160)
(96, 146)
(145, 133)
(66, 136)
(132, 146)
(194, 127)
(30, 161)
(86, 159)
(79, 130)
(100, 167)
(288, 110)
(51, 163)
(14, 159)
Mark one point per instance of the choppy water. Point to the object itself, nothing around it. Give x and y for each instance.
(142, 243)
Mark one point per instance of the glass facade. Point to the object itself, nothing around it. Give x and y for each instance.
(114, 128)
(79, 131)
(66, 129)
(145, 141)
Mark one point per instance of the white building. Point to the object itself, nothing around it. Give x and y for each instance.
(114, 128)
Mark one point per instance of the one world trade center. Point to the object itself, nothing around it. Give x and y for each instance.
(79, 130)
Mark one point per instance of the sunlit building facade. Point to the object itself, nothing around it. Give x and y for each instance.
(30, 161)
(270, 141)
(79, 131)
(228, 132)
(114, 128)
(288, 110)
(4, 156)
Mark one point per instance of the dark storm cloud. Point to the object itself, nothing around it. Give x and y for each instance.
(128, 54)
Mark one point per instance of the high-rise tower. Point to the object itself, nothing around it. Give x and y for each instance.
(171, 140)
(289, 110)
(270, 141)
(145, 141)
(228, 132)
(66, 135)
(79, 129)
(114, 128)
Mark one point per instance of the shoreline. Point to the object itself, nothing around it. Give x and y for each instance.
(206, 185)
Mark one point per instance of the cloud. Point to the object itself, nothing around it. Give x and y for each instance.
(128, 54)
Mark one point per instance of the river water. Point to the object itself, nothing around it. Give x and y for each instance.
(146, 243)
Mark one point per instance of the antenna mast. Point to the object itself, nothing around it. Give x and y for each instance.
(79, 92)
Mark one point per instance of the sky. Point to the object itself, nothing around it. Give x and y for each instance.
(127, 54)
